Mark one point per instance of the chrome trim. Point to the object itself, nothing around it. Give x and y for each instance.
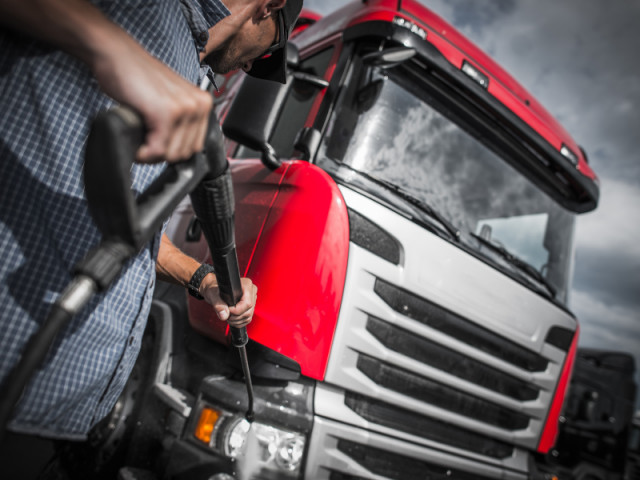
(327, 457)
(329, 403)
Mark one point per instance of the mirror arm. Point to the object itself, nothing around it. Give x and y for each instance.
(270, 157)
(307, 143)
(312, 80)
(389, 57)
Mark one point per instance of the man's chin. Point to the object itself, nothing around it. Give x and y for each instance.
(224, 69)
(220, 64)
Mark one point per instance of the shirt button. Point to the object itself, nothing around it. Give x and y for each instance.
(131, 340)
(204, 36)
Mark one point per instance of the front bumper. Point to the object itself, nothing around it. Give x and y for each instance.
(285, 406)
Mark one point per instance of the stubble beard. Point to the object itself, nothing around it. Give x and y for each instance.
(224, 59)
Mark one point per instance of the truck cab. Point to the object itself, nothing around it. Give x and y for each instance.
(407, 212)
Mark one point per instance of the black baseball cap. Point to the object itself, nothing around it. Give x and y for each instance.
(274, 66)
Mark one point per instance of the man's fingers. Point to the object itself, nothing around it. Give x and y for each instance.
(246, 315)
(177, 149)
(177, 129)
(202, 128)
(240, 324)
(242, 320)
(155, 146)
(248, 300)
(239, 315)
(222, 310)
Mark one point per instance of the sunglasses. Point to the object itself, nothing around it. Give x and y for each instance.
(279, 43)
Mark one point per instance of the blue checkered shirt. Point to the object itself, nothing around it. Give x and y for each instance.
(47, 101)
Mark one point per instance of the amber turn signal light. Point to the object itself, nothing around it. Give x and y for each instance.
(206, 424)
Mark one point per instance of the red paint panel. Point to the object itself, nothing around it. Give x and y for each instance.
(299, 266)
(550, 432)
(374, 14)
(308, 16)
(305, 20)
(255, 188)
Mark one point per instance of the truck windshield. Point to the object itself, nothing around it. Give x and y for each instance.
(397, 137)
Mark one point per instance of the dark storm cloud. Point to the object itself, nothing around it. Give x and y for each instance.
(476, 15)
(579, 59)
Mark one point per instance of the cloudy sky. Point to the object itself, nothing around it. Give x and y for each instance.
(580, 59)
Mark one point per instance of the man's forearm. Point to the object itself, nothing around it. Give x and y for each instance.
(174, 111)
(173, 266)
(75, 26)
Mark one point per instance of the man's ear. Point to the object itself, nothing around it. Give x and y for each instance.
(269, 7)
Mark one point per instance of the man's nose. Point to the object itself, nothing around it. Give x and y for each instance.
(247, 66)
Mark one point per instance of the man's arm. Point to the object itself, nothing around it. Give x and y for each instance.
(175, 267)
(175, 112)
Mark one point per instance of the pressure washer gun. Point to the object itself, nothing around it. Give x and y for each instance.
(128, 223)
(214, 206)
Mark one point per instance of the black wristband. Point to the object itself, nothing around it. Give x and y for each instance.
(196, 280)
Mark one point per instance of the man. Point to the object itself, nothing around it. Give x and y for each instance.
(62, 62)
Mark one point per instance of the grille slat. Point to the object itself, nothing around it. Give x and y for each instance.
(439, 395)
(560, 337)
(396, 467)
(461, 329)
(410, 422)
(371, 237)
(449, 361)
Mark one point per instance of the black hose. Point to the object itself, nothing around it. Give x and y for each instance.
(75, 296)
(34, 353)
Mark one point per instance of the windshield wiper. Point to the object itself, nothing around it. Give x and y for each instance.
(517, 262)
(416, 202)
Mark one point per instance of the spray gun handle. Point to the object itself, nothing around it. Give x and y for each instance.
(113, 142)
(229, 283)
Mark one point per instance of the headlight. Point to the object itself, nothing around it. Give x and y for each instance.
(261, 451)
(235, 437)
(258, 447)
(289, 453)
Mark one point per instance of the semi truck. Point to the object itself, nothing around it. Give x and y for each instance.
(407, 210)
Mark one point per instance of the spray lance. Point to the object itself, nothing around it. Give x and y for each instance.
(214, 206)
(128, 223)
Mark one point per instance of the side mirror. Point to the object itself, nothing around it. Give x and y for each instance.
(255, 110)
(254, 113)
(389, 57)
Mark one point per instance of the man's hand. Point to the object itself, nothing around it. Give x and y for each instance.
(242, 313)
(175, 267)
(174, 111)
